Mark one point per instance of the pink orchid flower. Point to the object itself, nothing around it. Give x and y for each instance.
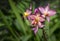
(47, 12)
(28, 12)
(36, 21)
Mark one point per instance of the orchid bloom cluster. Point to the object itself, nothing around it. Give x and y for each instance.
(39, 16)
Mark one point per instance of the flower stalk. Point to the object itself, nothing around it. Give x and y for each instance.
(44, 34)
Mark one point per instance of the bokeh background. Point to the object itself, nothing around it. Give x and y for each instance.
(13, 27)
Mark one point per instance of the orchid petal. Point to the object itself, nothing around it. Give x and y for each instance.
(35, 31)
(30, 7)
(32, 22)
(31, 17)
(40, 25)
(41, 10)
(51, 12)
(48, 19)
(43, 16)
(42, 19)
(47, 8)
(36, 11)
(28, 11)
(33, 28)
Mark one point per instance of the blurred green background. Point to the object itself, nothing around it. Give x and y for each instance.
(13, 27)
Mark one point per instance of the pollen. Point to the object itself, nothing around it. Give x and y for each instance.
(26, 14)
(37, 18)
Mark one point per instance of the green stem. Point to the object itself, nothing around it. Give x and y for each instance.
(44, 34)
(37, 37)
(47, 30)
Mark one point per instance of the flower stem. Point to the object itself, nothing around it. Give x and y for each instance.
(44, 34)
(37, 37)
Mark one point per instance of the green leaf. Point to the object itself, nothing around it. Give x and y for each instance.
(17, 25)
(51, 18)
(19, 18)
(54, 28)
(26, 4)
(1, 24)
(25, 38)
(33, 7)
(21, 8)
(40, 33)
(7, 24)
(53, 38)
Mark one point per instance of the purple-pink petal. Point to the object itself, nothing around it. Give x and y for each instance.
(28, 11)
(31, 17)
(43, 16)
(48, 19)
(51, 12)
(30, 7)
(32, 22)
(40, 25)
(47, 8)
(42, 19)
(41, 10)
(36, 11)
(33, 28)
(35, 31)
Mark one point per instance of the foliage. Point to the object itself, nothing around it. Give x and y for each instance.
(13, 27)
